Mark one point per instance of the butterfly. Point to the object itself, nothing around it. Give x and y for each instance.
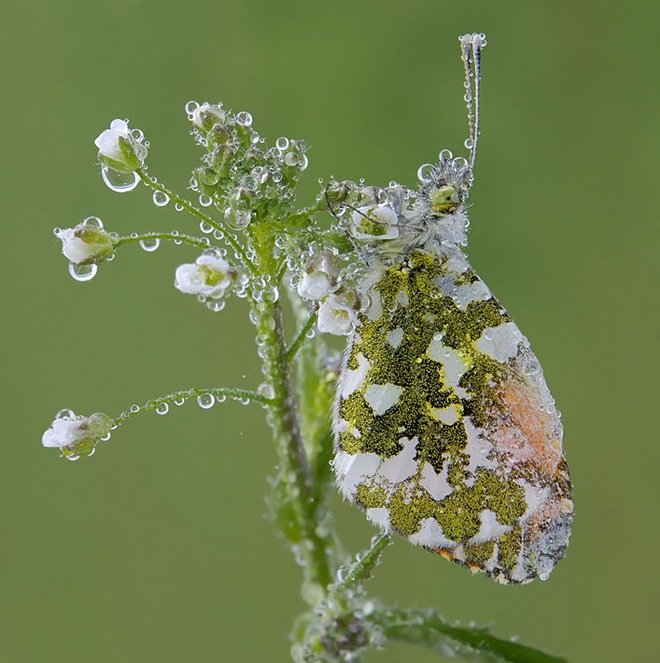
(445, 431)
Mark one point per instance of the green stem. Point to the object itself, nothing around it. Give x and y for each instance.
(429, 629)
(200, 242)
(191, 209)
(291, 452)
(178, 397)
(301, 337)
(295, 478)
(360, 569)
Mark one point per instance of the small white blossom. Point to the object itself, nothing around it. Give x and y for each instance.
(314, 285)
(209, 276)
(119, 148)
(337, 315)
(85, 243)
(74, 434)
(320, 276)
(374, 222)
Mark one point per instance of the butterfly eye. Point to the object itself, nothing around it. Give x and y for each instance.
(445, 199)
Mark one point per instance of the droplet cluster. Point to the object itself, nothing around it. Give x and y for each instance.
(239, 175)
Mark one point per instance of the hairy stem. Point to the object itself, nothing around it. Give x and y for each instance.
(429, 629)
(155, 185)
(294, 489)
(199, 242)
(182, 395)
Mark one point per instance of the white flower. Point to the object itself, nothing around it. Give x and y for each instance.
(85, 243)
(209, 276)
(74, 434)
(374, 222)
(205, 116)
(337, 315)
(314, 285)
(319, 276)
(119, 148)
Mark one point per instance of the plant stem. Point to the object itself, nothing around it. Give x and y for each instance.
(236, 394)
(191, 209)
(300, 338)
(360, 569)
(429, 629)
(295, 476)
(200, 242)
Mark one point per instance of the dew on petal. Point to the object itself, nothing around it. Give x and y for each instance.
(93, 222)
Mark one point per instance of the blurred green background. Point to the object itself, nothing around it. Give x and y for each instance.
(158, 548)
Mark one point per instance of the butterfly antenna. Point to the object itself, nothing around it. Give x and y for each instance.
(471, 47)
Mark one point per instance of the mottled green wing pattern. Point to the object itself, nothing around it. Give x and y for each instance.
(445, 431)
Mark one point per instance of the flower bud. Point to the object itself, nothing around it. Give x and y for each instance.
(206, 116)
(119, 148)
(76, 435)
(320, 275)
(87, 243)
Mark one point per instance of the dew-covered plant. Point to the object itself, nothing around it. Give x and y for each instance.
(250, 239)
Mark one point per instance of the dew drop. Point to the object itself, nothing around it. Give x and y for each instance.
(163, 408)
(191, 107)
(424, 172)
(205, 227)
(221, 398)
(119, 182)
(205, 401)
(179, 401)
(93, 222)
(178, 207)
(160, 198)
(135, 408)
(531, 367)
(244, 119)
(204, 200)
(82, 273)
(150, 244)
(215, 305)
(291, 159)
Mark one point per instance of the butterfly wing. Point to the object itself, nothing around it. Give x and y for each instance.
(445, 431)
